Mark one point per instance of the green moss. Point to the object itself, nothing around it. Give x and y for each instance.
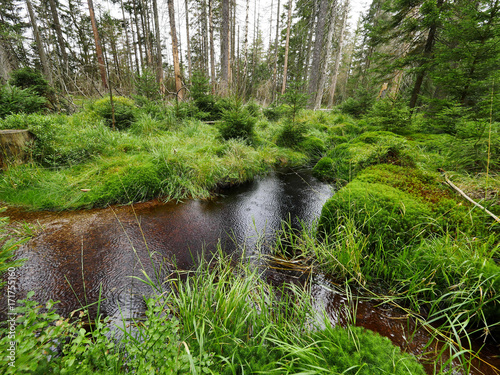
(323, 169)
(312, 146)
(370, 148)
(382, 212)
(395, 205)
(358, 350)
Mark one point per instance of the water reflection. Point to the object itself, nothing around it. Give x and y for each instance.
(81, 255)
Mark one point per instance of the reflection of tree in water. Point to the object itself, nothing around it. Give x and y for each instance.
(117, 243)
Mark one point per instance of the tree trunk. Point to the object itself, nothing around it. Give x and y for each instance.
(212, 48)
(275, 60)
(98, 47)
(338, 57)
(326, 57)
(318, 47)
(138, 31)
(175, 51)
(245, 50)
(127, 41)
(39, 44)
(287, 46)
(188, 41)
(147, 33)
(12, 147)
(429, 44)
(224, 82)
(159, 59)
(60, 39)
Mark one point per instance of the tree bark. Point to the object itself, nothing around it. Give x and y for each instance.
(275, 60)
(39, 44)
(175, 51)
(188, 41)
(224, 82)
(98, 47)
(287, 46)
(13, 144)
(147, 33)
(318, 47)
(245, 49)
(60, 39)
(159, 58)
(429, 44)
(212, 48)
(127, 41)
(326, 57)
(338, 57)
(138, 31)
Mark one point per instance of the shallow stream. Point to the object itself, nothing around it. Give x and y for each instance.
(75, 257)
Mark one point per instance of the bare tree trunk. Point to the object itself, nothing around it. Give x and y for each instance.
(204, 32)
(287, 46)
(333, 85)
(188, 41)
(275, 60)
(233, 42)
(212, 51)
(127, 38)
(98, 47)
(5, 67)
(225, 49)
(326, 57)
(146, 33)
(60, 39)
(138, 31)
(159, 59)
(245, 50)
(318, 47)
(39, 44)
(175, 51)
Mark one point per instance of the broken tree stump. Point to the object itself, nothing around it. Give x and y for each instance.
(13, 147)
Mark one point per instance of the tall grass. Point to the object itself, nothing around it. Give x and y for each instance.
(154, 158)
(221, 318)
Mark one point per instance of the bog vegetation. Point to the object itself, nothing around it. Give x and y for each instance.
(393, 228)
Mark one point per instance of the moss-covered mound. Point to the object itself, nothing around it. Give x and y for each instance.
(346, 160)
(394, 205)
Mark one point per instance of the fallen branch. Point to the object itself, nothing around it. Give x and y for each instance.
(469, 198)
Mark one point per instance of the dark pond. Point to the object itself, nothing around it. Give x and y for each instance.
(77, 256)
(81, 254)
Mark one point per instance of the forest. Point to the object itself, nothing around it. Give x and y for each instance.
(133, 101)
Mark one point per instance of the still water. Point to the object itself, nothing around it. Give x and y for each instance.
(78, 256)
(81, 255)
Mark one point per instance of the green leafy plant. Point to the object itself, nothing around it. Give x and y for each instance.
(16, 100)
(274, 112)
(29, 78)
(390, 115)
(237, 123)
(146, 85)
(295, 98)
(123, 108)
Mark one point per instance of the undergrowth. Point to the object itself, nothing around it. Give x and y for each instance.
(221, 319)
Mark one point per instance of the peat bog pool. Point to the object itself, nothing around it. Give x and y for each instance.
(80, 255)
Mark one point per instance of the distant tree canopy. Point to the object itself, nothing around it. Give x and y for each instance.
(432, 55)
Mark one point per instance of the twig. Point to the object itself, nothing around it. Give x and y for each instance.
(468, 198)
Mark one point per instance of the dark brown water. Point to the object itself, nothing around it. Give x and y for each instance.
(79, 256)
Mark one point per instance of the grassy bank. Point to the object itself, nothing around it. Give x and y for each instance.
(222, 319)
(79, 161)
(396, 229)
